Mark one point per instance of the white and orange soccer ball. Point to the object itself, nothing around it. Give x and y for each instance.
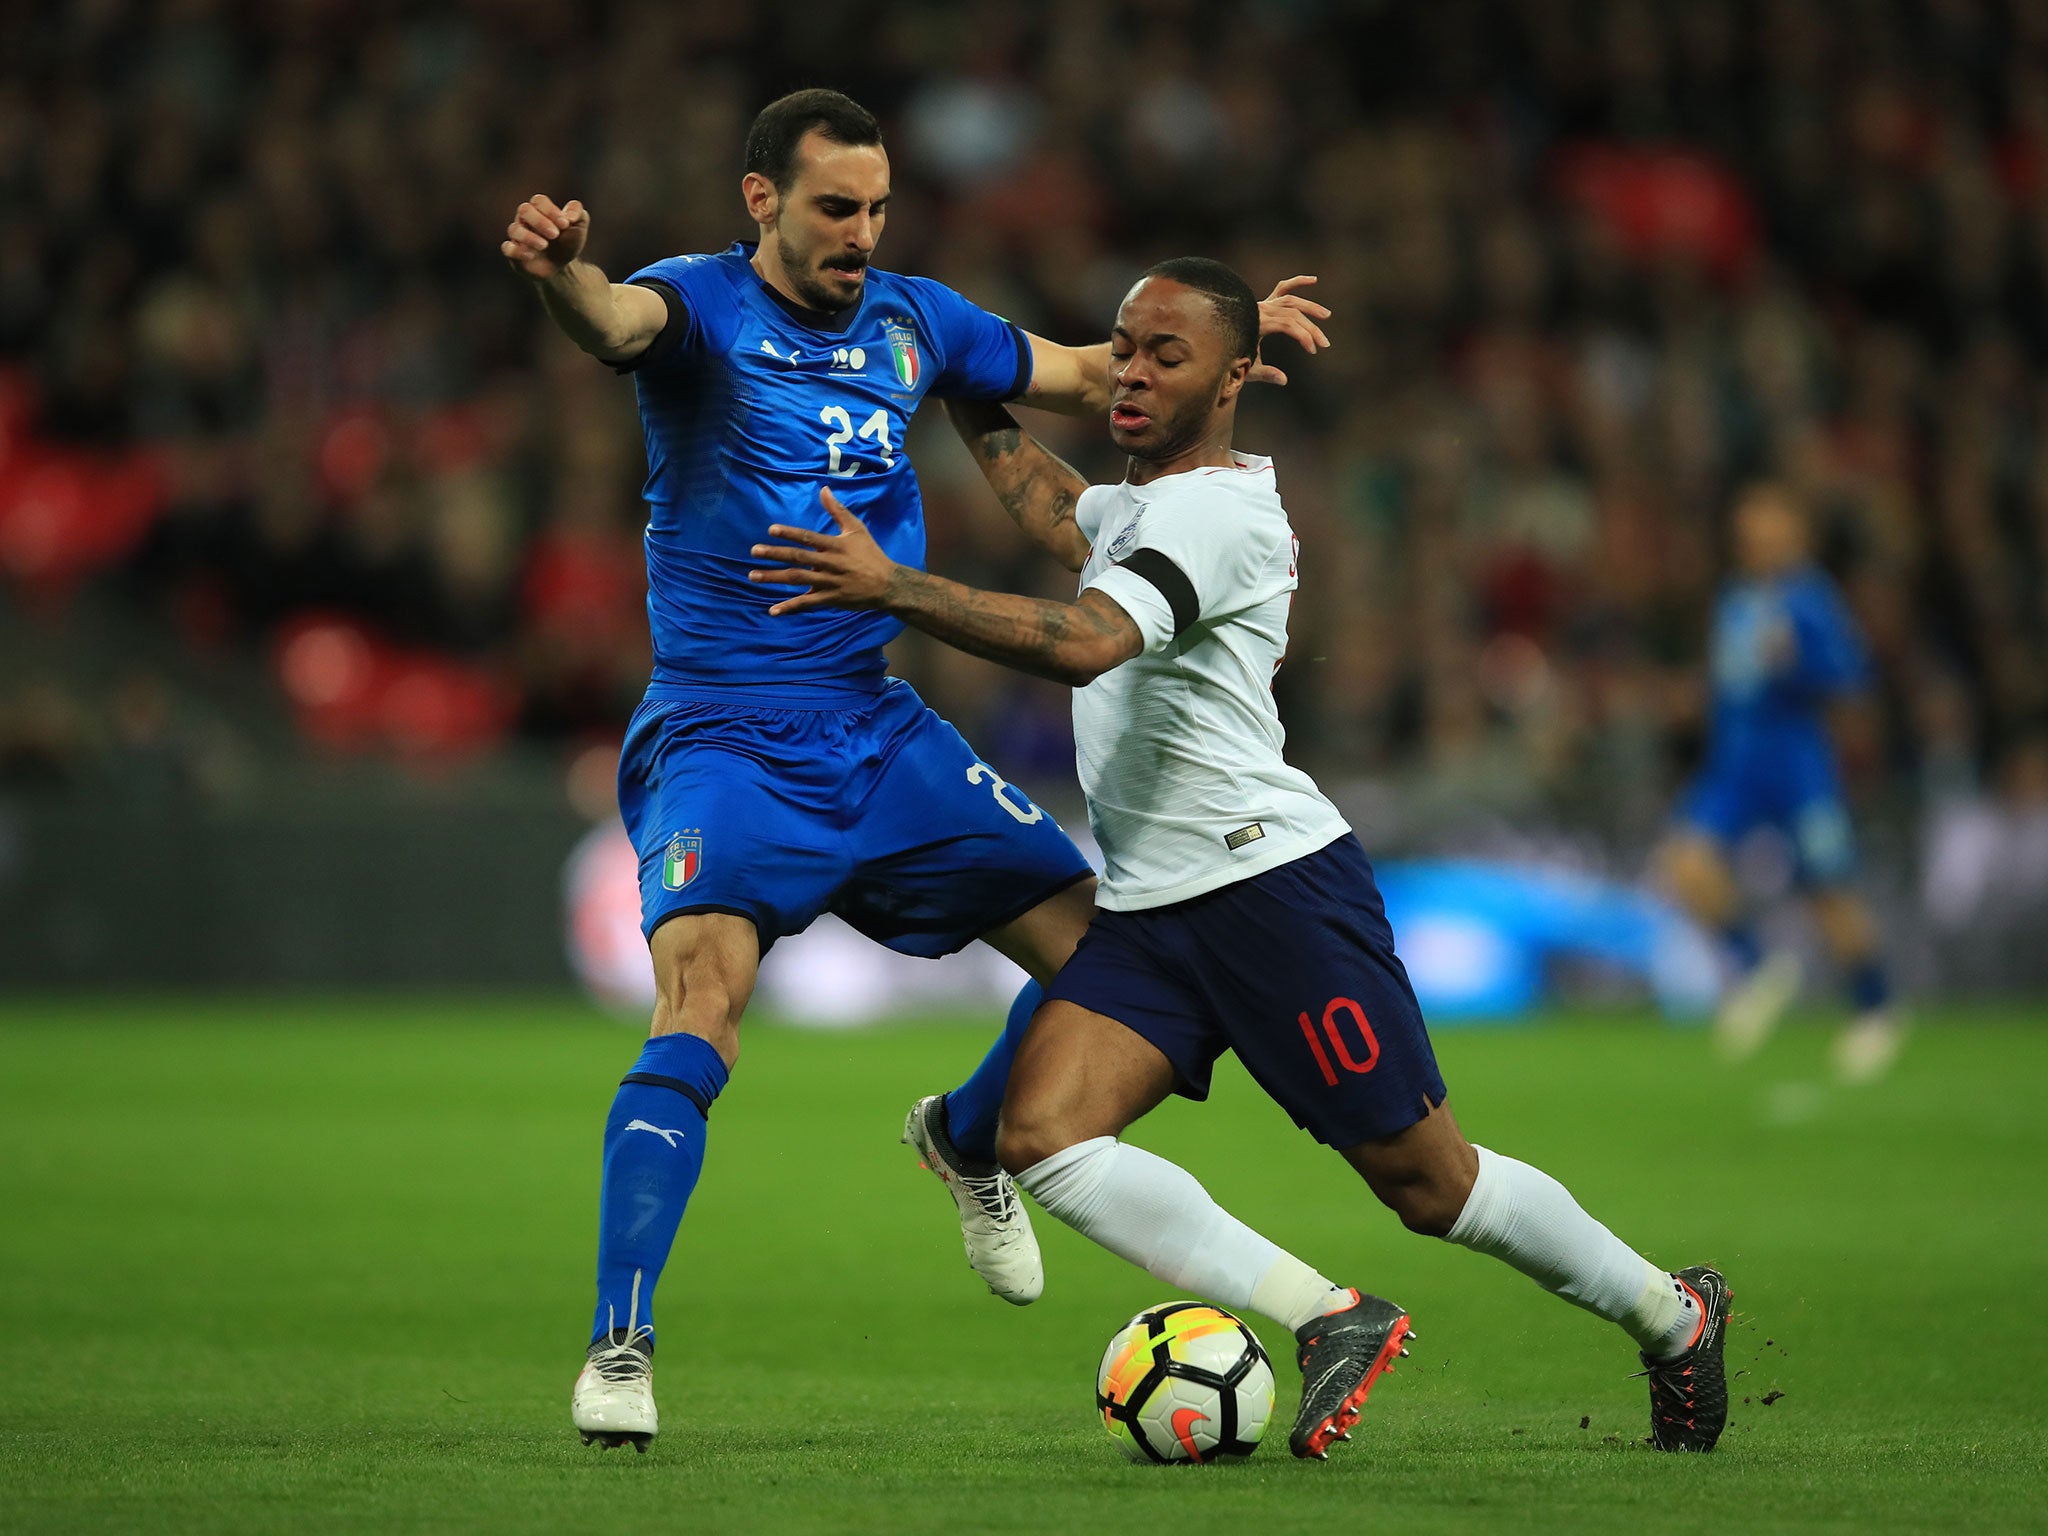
(1185, 1381)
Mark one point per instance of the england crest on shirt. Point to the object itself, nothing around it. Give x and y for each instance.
(679, 865)
(903, 353)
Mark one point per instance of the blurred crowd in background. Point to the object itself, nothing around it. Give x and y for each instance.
(268, 393)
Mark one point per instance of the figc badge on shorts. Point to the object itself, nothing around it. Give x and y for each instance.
(679, 866)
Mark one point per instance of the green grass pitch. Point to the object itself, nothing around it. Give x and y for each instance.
(297, 1266)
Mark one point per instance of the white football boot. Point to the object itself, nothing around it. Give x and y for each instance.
(613, 1401)
(1753, 1007)
(994, 1226)
(1866, 1049)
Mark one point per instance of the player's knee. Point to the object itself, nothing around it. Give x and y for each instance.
(1025, 1139)
(706, 1009)
(1845, 924)
(1691, 869)
(1429, 1198)
(1020, 1146)
(700, 994)
(695, 1009)
(1428, 1210)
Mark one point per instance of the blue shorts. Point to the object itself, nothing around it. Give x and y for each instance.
(1294, 970)
(1795, 790)
(879, 812)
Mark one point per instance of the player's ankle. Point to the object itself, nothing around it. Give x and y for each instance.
(1293, 1294)
(1669, 1319)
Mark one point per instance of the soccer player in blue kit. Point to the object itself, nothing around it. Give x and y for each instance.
(774, 771)
(1786, 650)
(1239, 912)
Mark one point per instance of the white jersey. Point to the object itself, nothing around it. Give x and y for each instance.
(1179, 748)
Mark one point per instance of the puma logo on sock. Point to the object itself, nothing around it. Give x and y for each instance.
(671, 1137)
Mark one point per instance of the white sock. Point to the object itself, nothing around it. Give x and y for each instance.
(1292, 1293)
(1158, 1216)
(1526, 1219)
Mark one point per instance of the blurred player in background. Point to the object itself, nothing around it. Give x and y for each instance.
(1786, 651)
(1240, 912)
(774, 770)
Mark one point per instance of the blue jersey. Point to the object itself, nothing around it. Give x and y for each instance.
(1783, 648)
(750, 406)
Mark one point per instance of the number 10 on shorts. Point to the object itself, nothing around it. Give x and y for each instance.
(1335, 1015)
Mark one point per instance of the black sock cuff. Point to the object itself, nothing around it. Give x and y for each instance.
(659, 1080)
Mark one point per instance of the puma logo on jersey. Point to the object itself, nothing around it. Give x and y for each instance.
(769, 348)
(671, 1137)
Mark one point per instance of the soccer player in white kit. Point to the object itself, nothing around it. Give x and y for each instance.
(1238, 911)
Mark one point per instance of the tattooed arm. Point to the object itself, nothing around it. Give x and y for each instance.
(1071, 643)
(1036, 487)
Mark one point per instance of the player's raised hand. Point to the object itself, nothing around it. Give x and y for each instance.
(1285, 312)
(543, 238)
(843, 570)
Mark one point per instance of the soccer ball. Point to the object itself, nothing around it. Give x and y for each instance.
(1184, 1381)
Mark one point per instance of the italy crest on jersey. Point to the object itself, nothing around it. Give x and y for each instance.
(679, 865)
(903, 352)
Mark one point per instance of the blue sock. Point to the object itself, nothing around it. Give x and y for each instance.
(973, 1108)
(653, 1152)
(1743, 948)
(1869, 987)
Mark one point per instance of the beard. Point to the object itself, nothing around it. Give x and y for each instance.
(804, 278)
(1174, 435)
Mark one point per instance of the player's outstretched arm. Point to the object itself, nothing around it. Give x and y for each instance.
(1036, 486)
(1075, 381)
(613, 321)
(1071, 643)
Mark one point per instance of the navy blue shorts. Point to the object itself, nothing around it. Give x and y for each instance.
(1295, 971)
(879, 812)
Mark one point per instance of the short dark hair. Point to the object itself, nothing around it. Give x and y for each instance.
(1236, 305)
(781, 125)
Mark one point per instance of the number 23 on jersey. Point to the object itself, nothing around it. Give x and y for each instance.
(839, 463)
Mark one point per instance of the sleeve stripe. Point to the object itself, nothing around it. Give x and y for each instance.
(672, 332)
(1172, 582)
(1022, 381)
